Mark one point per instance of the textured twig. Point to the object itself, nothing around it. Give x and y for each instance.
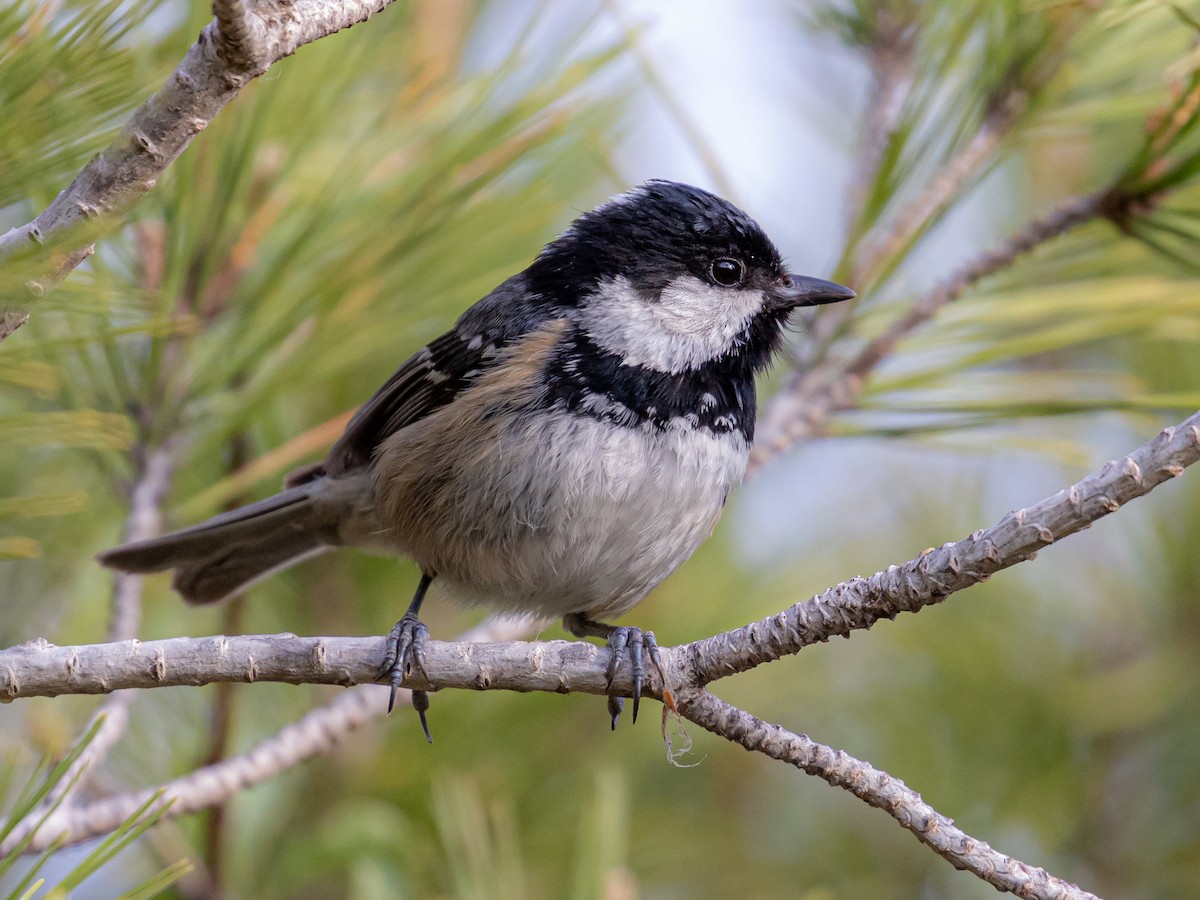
(1058, 221)
(316, 732)
(241, 36)
(40, 669)
(231, 51)
(890, 58)
(881, 791)
(144, 522)
(800, 410)
(936, 574)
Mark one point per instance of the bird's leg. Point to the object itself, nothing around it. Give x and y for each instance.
(406, 653)
(621, 639)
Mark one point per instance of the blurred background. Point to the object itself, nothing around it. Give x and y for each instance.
(345, 208)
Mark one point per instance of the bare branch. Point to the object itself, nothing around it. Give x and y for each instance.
(143, 523)
(933, 576)
(241, 36)
(801, 408)
(316, 732)
(40, 669)
(881, 791)
(230, 52)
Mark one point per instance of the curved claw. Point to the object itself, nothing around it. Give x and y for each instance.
(420, 702)
(636, 642)
(619, 640)
(615, 705)
(405, 654)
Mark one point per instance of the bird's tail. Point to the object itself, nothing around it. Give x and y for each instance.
(225, 555)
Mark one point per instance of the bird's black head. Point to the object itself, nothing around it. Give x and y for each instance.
(672, 278)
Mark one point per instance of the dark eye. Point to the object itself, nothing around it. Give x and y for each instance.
(727, 272)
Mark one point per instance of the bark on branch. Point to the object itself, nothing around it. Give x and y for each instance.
(40, 669)
(803, 407)
(882, 791)
(242, 43)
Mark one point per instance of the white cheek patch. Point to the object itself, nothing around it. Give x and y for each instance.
(691, 323)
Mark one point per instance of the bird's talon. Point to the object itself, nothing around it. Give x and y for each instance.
(420, 702)
(406, 653)
(621, 640)
(615, 705)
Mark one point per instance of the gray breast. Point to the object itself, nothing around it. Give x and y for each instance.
(559, 513)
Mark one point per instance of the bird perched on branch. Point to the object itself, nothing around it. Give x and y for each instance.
(561, 450)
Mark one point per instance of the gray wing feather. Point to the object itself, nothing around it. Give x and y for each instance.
(438, 373)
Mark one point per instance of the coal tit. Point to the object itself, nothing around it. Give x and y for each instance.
(562, 450)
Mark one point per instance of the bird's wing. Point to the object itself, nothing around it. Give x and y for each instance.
(433, 377)
(436, 374)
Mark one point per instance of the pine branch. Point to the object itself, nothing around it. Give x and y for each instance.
(242, 43)
(144, 522)
(880, 790)
(316, 732)
(801, 408)
(40, 669)
(890, 58)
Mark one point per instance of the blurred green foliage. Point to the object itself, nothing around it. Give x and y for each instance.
(348, 205)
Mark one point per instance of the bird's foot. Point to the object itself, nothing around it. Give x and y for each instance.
(623, 640)
(406, 654)
(637, 643)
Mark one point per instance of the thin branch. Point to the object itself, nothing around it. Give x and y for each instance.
(40, 669)
(316, 732)
(881, 791)
(144, 522)
(1057, 222)
(933, 576)
(890, 57)
(230, 52)
(942, 190)
(241, 36)
(801, 408)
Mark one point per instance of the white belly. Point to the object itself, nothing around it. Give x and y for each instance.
(564, 513)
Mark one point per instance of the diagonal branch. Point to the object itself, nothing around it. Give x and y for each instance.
(241, 36)
(144, 522)
(890, 58)
(933, 576)
(40, 669)
(801, 408)
(230, 52)
(881, 791)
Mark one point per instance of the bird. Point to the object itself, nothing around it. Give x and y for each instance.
(560, 451)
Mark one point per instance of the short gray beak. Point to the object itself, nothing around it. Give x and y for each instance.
(799, 290)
